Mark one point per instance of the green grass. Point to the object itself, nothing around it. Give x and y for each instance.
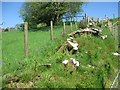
(42, 50)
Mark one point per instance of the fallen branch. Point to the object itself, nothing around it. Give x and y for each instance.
(74, 45)
(46, 65)
(86, 30)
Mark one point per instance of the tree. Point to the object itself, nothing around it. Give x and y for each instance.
(19, 26)
(73, 9)
(44, 12)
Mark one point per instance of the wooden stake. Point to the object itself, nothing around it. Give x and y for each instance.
(71, 26)
(51, 30)
(26, 39)
(88, 19)
(113, 15)
(92, 18)
(98, 20)
(85, 16)
(76, 18)
(105, 17)
(76, 25)
(64, 30)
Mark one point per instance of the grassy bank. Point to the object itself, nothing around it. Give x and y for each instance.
(93, 51)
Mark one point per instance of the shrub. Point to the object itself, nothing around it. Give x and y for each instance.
(41, 25)
(99, 24)
(68, 22)
(6, 30)
(82, 25)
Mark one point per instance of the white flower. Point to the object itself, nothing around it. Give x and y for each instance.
(86, 52)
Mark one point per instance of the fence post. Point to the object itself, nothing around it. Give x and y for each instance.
(51, 30)
(110, 27)
(92, 18)
(102, 22)
(76, 18)
(71, 26)
(113, 15)
(105, 17)
(64, 29)
(85, 16)
(88, 19)
(98, 20)
(83, 19)
(76, 25)
(26, 39)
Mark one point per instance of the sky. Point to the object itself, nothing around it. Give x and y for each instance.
(100, 9)
(11, 17)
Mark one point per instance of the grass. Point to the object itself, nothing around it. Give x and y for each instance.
(42, 50)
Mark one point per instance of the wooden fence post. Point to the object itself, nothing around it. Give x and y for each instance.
(85, 16)
(109, 26)
(98, 20)
(92, 18)
(51, 30)
(76, 25)
(64, 29)
(113, 15)
(105, 17)
(88, 19)
(26, 39)
(71, 26)
(113, 30)
(76, 18)
(83, 19)
(102, 22)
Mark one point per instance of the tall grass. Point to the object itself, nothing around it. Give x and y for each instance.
(43, 51)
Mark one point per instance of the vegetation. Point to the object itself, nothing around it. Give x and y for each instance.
(82, 24)
(43, 12)
(97, 64)
(99, 24)
(6, 30)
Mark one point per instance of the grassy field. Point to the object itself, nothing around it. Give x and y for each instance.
(42, 50)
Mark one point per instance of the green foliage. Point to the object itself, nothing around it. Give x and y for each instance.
(59, 57)
(6, 30)
(99, 24)
(82, 25)
(44, 12)
(19, 26)
(93, 51)
(41, 25)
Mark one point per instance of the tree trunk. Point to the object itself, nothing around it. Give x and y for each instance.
(57, 19)
(48, 23)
